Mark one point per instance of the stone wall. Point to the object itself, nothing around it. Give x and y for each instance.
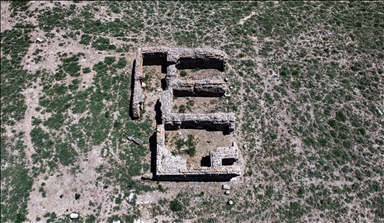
(168, 165)
(177, 58)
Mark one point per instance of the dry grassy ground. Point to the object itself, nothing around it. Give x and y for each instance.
(306, 84)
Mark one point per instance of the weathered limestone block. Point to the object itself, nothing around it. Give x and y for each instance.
(165, 100)
(135, 140)
(171, 77)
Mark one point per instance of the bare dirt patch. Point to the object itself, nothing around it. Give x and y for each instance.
(204, 142)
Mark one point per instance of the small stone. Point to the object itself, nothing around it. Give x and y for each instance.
(116, 221)
(230, 202)
(74, 215)
(244, 146)
(130, 197)
(143, 85)
(226, 79)
(226, 187)
(227, 192)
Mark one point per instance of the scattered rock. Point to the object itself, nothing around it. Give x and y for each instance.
(245, 146)
(147, 176)
(39, 40)
(230, 202)
(74, 215)
(226, 79)
(226, 187)
(130, 197)
(116, 221)
(227, 192)
(135, 140)
(379, 112)
(105, 152)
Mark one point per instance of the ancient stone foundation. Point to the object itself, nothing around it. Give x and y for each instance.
(173, 167)
(168, 166)
(174, 59)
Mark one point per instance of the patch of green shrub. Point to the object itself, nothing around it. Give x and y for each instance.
(109, 60)
(176, 205)
(121, 63)
(86, 70)
(183, 73)
(103, 44)
(66, 154)
(341, 116)
(85, 39)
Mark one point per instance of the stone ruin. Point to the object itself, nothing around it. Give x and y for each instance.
(169, 167)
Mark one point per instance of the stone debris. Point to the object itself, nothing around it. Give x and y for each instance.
(227, 192)
(230, 202)
(135, 140)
